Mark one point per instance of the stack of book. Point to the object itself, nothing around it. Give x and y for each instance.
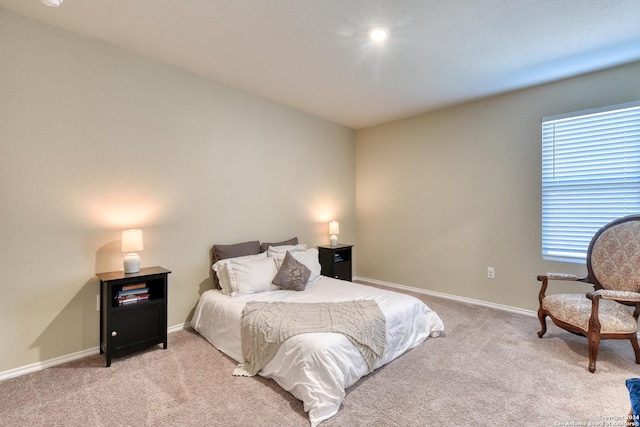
(133, 293)
(337, 257)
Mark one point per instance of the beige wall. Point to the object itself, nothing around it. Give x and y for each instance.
(94, 139)
(442, 196)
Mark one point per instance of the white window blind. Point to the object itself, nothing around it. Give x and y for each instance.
(590, 176)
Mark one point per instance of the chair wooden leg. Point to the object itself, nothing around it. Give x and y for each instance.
(594, 342)
(636, 348)
(543, 323)
(593, 334)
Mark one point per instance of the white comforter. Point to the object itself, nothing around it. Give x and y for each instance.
(317, 368)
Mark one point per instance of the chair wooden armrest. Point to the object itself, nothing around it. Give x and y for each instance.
(558, 276)
(544, 278)
(617, 295)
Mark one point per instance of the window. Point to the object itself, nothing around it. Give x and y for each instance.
(590, 176)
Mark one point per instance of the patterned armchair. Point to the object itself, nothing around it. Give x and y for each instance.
(613, 267)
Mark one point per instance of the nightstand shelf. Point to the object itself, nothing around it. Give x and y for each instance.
(336, 261)
(136, 324)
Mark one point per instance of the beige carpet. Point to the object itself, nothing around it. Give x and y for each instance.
(491, 369)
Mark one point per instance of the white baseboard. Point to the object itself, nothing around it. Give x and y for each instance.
(180, 327)
(38, 366)
(451, 297)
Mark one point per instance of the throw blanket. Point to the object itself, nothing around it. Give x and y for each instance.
(265, 325)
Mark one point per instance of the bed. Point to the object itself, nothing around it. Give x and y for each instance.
(314, 367)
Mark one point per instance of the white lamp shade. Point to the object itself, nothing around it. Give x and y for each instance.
(132, 241)
(334, 227)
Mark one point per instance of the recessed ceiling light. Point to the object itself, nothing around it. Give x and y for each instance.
(378, 34)
(52, 3)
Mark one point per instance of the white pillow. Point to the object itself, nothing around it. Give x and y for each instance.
(273, 251)
(308, 257)
(250, 276)
(220, 268)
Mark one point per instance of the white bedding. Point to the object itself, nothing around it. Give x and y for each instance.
(317, 368)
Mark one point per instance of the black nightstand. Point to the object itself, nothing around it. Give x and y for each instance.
(336, 261)
(138, 318)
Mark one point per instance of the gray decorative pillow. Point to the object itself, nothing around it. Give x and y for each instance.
(232, 251)
(291, 242)
(293, 274)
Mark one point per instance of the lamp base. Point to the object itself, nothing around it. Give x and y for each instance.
(333, 240)
(131, 263)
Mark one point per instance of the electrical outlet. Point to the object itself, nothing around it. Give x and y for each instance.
(491, 273)
(98, 302)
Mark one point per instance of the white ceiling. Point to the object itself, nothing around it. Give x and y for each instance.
(313, 55)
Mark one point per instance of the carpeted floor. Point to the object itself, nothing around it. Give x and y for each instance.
(490, 369)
